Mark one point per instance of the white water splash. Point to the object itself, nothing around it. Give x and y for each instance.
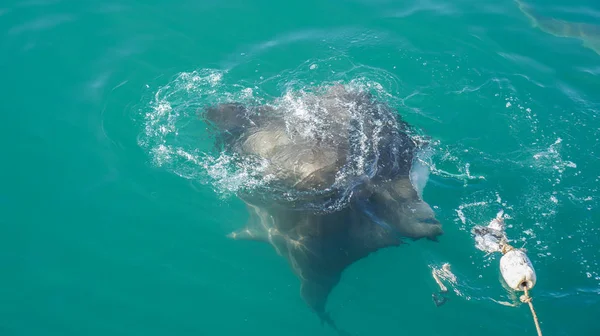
(178, 141)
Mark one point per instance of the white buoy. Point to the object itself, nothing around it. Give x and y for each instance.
(515, 267)
(517, 270)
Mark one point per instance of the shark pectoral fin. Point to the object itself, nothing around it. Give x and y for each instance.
(247, 234)
(226, 116)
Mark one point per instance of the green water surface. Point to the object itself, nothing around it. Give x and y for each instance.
(96, 238)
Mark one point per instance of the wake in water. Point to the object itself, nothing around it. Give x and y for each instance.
(178, 139)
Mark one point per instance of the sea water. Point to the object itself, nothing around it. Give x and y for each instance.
(114, 206)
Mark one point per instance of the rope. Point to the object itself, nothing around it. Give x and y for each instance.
(505, 247)
(527, 299)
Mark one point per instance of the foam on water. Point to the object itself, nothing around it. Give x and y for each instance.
(178, 140)
(174, 133)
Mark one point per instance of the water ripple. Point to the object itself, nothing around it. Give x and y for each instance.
(527, 62)
(41, 24)
(434, 8)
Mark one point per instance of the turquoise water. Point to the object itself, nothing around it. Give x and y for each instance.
(103, 233)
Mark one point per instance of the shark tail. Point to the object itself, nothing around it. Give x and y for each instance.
(326, 319)
(315, 295)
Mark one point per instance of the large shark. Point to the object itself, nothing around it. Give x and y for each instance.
(342, 187)
(588, 33)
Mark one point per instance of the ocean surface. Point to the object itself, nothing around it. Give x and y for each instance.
(114, 211)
